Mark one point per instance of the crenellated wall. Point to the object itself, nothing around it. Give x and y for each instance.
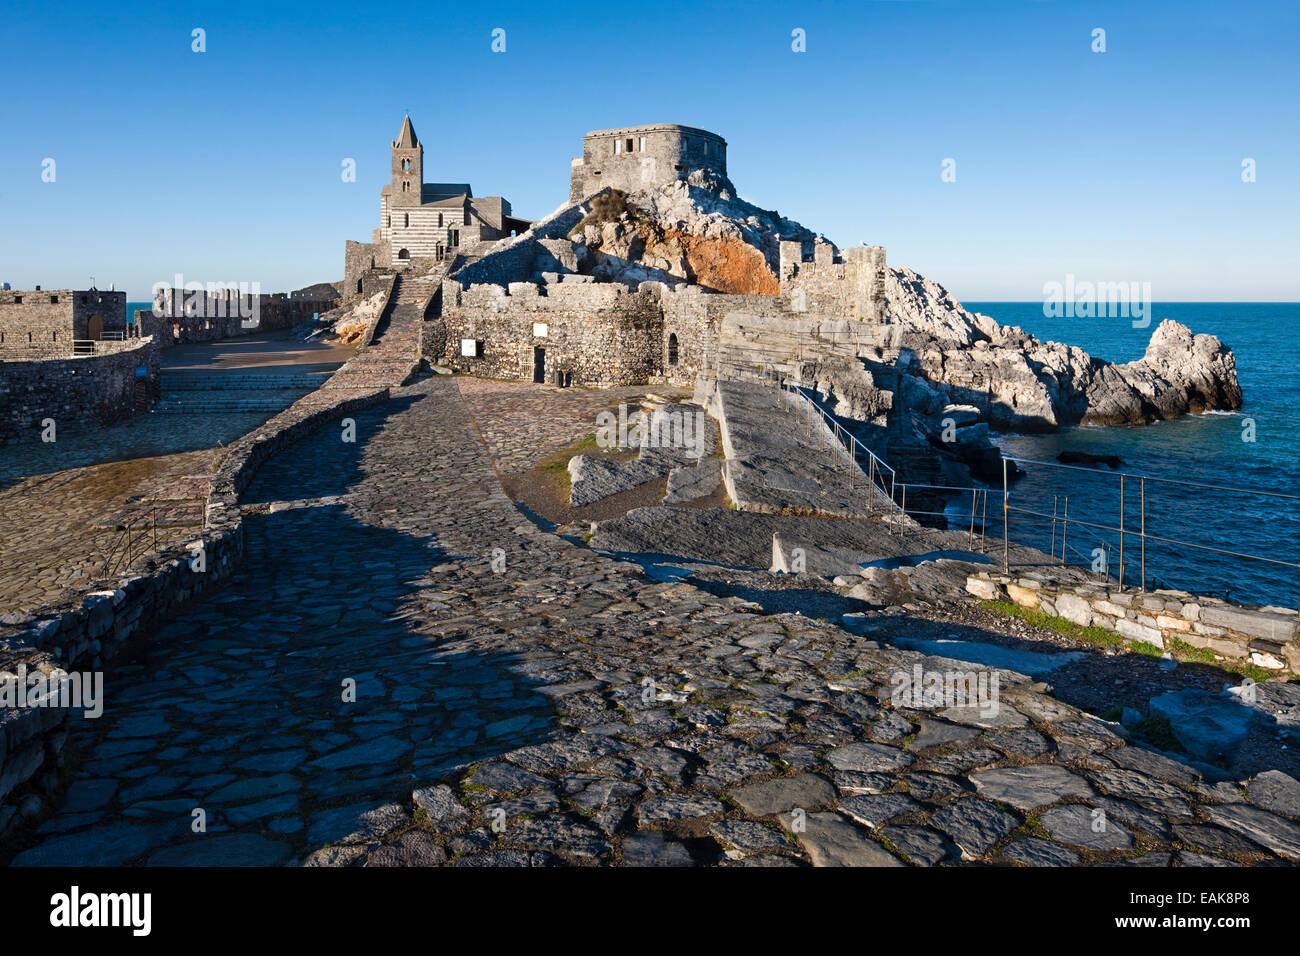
(850, 286)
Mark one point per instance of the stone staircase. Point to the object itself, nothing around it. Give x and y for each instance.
(208, 393)
(392, 355)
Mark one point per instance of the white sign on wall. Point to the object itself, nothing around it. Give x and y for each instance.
(539, 329)
(469, 348)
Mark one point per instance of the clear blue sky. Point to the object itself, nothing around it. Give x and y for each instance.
(226, 165)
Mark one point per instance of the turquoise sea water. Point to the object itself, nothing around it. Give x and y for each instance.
(1208, 449)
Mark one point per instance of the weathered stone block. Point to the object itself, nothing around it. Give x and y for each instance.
(982, 588)
(1074, 608)
(1025, 597)
(1274, 627)
(1139, 632)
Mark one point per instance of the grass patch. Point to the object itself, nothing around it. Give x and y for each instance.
(607, 207)
(1097, 636)
(1155, 729)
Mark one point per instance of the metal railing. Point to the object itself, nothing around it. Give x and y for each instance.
(883, 479)
(895, 492)
(124, 545)
(1060, 517)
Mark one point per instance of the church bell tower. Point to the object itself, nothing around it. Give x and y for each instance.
(408, 167)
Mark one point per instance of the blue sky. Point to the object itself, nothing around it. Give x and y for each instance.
(225, 165)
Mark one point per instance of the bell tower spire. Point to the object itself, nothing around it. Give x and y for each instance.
(408, 166)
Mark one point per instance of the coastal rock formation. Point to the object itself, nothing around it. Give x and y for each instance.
(1023, 383)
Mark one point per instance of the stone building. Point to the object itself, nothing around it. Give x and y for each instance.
(36, 323)
(424, 223)
(637, 157)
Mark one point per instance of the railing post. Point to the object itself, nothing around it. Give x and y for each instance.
(970, 539)
(1006, 505)
(1052, 550)
(1143, 487)
(1065, 528)
(984, 522)
(1121, 532)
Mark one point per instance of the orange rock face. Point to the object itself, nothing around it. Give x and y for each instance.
(728, 265)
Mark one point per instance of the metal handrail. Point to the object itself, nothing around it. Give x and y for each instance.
(1124, 530)
(897, 491)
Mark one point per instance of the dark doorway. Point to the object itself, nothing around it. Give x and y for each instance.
(672, 349)
(95, 328)
(539, 366)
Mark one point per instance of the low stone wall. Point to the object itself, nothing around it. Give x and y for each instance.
(75, 391)
(81, 637)
(595, 334)
(1265, 637)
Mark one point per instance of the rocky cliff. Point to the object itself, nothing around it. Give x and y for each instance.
(1024, 383)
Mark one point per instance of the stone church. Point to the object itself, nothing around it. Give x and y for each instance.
(424, 223)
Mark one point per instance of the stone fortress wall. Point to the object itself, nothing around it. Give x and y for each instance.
(39, 322)
(850, 286)
(638, 157)
(76, 390)
(180, 317)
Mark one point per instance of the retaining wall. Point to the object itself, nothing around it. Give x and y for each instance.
(1265, 637)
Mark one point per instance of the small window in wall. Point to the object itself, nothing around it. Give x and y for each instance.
(630, 145)
(672, 349)
(618, 146)
(406, 220)
(358, 286)
(406, 164)
(18, 300)
(54, 300)
(54, 336)
(390, 222)
(439, 220)
(403, 254)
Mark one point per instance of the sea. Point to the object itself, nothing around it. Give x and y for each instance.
(1209, 463)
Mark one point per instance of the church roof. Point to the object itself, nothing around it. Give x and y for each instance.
(406, 139)
(440, 192)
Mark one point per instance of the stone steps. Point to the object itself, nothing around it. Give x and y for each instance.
(236, 382)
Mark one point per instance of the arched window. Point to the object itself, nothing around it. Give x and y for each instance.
(403, 254)
(358, 286)
(406, 164)
(672, 348)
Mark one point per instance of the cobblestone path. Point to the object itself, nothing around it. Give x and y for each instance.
(523, 423)
(560, 708)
